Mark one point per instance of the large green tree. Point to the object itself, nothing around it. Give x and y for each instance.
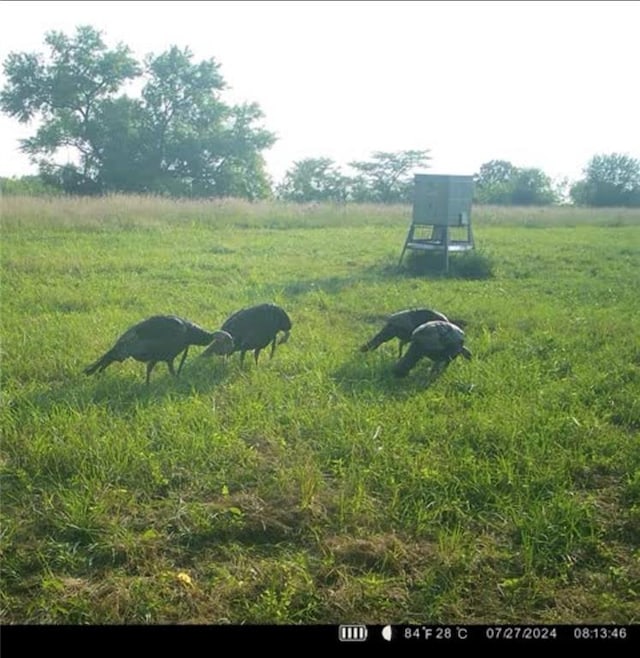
(494, 182)
(532, 187)
(610, 180)
(66, 91)
(178, 137)
(500, 182)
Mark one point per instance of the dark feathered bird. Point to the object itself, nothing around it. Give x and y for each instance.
(160, 338)
(439, 341)
(254, 328)
(400, 325)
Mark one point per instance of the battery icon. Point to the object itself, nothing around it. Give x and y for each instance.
(352, 633)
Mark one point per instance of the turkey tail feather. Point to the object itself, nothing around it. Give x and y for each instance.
(375, 342)
(99, 365)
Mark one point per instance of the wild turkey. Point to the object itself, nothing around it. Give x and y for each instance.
(160, 338)
(400, 325)
(439, 341)
(253, 328)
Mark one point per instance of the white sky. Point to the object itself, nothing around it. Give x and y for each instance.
(541, 84)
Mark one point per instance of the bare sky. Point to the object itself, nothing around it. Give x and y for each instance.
(541, 84)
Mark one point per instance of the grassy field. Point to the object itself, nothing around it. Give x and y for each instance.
(316, 488)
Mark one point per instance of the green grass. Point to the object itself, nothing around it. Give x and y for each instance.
(315, 488)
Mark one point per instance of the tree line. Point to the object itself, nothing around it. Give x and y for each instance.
(178, 137)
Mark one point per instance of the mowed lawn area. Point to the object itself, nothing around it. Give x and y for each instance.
(315, 487)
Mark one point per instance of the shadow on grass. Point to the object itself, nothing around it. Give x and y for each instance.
(121, 390)
(244, 518)
(331, 285)
(372, 373)
(470, 265)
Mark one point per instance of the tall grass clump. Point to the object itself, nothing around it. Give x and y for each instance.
(474, 264)
(141, 211)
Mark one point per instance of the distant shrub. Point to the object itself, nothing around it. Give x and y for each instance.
(27, 186)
